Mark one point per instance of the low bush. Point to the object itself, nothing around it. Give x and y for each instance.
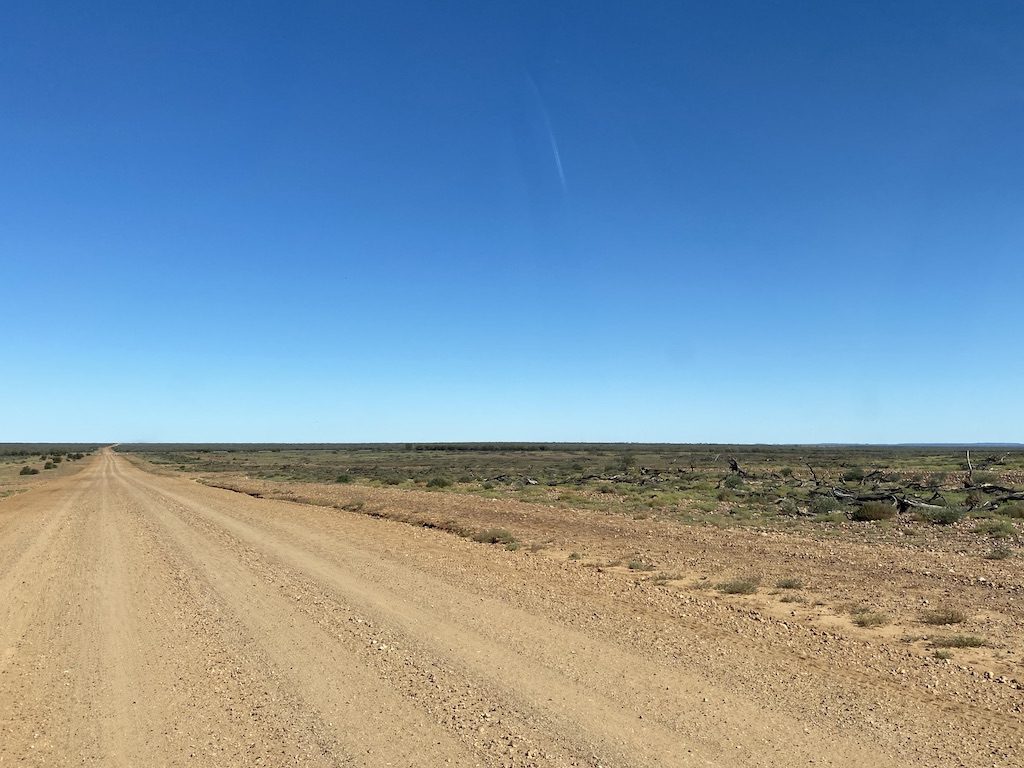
(869, 619)
(438, 482)
(790, 583)
(29, 471)
(944, 516)
(640, 565)
(49, 465)
(745, 586)
(853, 474)
(873, 510)
(943, 616)
(822, 505)
(997, 529)
(343, 479)
(1014, 509)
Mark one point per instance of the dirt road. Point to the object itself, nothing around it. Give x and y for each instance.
(150, 621)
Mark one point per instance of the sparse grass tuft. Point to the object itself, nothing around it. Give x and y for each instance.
(999, 553)
(943, 655)
(997, 529)
(870, 619)
(495, 536)
(640, 565)
(958, 641)
(943, 616)
(791, 582)
(1014, 509)
(575, 556)
(744, 586)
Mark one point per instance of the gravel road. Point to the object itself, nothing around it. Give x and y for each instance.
(147, 620)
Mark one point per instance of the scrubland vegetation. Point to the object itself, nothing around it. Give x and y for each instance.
(770, 486)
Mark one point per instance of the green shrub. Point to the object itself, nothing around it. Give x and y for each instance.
(29, 471)
(1014, 509)
(853, 474)
(873, 510)
(997, 529)
(944, 516)
(733, 481)
(49, 465)
(343, 479)
(822, 505)
(438, 482)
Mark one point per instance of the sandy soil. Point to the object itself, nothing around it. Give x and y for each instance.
(150, 620)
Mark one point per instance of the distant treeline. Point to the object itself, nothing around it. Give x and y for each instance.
(615, 448)
(39, 449)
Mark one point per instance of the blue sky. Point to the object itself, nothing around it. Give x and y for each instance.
(757, 222)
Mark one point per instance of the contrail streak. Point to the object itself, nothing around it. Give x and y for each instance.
(551, 133)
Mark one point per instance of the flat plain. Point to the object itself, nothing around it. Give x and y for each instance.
(518, 605)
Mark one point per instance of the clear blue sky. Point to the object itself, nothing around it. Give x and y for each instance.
(760, 221)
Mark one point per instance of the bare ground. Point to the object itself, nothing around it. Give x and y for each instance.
(149, 620)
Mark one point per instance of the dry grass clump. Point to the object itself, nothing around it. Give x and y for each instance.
(790, 582)
(742, 586)
(958, 641)
(865, 617)
(494, 536)
(999, 553)
(943, 616)
(638, 564)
